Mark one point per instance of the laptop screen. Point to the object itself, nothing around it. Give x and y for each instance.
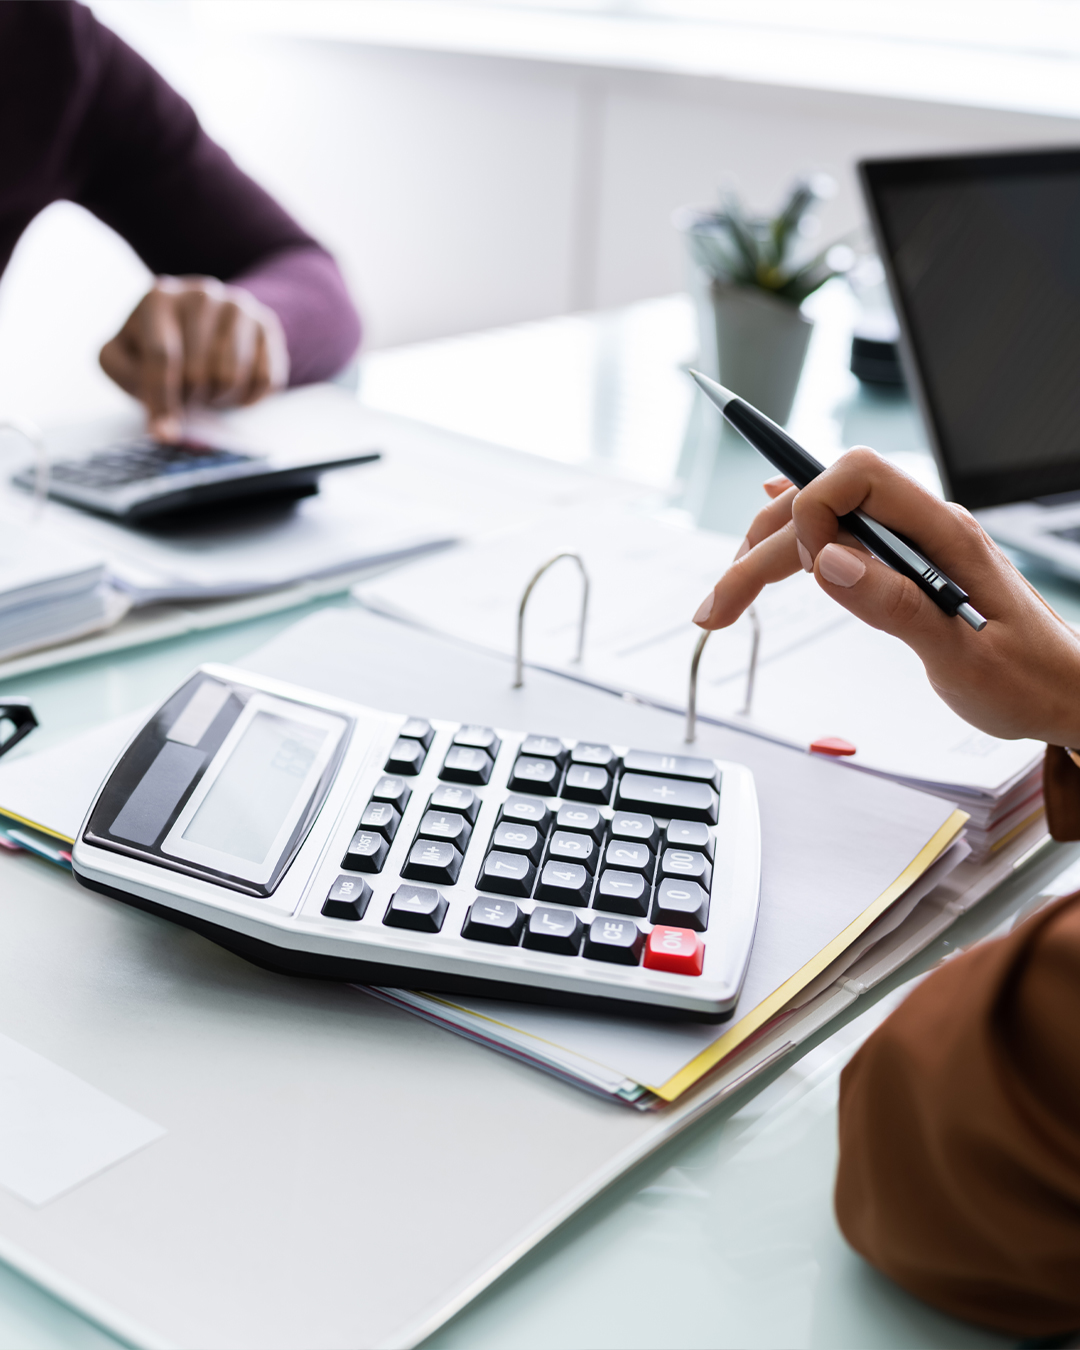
(983, 258)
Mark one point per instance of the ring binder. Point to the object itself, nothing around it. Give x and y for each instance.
(751, 675)
(519, 658)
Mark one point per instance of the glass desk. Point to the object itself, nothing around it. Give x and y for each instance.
(727, 1237)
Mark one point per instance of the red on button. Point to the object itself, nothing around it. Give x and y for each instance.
(677, 950)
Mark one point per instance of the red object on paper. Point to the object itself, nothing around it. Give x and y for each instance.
(832, 745)
(678, 950)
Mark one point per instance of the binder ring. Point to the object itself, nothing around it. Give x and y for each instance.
(519, 660)
(751, 675)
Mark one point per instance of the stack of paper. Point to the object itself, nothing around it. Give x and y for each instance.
(51, 589)
(820, 673)
(844, 861)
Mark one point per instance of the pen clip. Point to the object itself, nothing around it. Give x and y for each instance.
(519, 657)
(751, 674)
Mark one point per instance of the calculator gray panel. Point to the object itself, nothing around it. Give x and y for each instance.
(292, 922)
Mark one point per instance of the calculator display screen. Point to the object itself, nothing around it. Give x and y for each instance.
(258, 787)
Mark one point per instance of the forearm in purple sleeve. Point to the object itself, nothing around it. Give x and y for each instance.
(304, 288)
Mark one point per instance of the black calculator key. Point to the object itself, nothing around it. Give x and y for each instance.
(568, 883)
(682, 904)
(494, 921)
(535, 775)
(622, 892)
(406, 757)
(624, 825)
(433, 860)
(554, 930)
(528, 810)
(446, 825)
(380, 816)
(507, 874)
(689, 834)
(418, 729)
(417, 907)
(466, 764)
(587, 784)
(618, 940)
(347, 898)
(688, 864)
(544, 747)
(601, 756)
(669, 796)
(393, 790)
(366, 852)
(587, 819)
(567, 847)
(628, 856)
(518, 838)
(672, 766)
(480, 738)
(450, 797)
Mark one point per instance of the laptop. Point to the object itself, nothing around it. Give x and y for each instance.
(982, 254)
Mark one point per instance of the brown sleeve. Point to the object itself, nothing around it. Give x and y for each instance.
(1061, 790)
(959, 1167)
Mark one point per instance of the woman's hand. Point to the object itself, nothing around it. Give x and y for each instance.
(1019, 677)
(196, 341)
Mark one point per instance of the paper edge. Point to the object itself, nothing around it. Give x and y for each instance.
(723, 1046)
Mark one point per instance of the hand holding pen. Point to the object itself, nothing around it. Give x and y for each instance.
(1019, 676)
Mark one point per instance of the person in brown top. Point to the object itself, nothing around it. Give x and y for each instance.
(959, 1172)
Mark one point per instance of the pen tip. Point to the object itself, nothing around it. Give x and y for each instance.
(716, 393)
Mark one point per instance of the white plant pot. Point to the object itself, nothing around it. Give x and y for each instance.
(761, 345)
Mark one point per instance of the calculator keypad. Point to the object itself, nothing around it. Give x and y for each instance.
(446, 825)
(417, 907)
(584, 855)
(554, 930)
(618, 940)
(381, 816)
(506, 874)
(348, 898)
(494, 921)
(366, 852)
(433, 860)
(466, 764)
(566, 883)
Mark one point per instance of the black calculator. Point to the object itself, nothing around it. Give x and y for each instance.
(317, 837)
(142, 478)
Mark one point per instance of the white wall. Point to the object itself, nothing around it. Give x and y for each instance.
(462, 192)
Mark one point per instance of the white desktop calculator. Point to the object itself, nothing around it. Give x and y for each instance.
(317, 837)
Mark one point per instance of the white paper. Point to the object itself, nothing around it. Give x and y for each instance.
(52, 789)
(55, 1129)
(820, 671)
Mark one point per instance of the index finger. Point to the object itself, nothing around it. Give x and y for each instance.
(862, 481)
(162, 361)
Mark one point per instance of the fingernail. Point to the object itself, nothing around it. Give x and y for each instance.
(165, 428)
(704, 609)
(744, 547)
(840, 565)
(804, 556)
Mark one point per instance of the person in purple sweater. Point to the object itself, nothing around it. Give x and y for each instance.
(245, 301)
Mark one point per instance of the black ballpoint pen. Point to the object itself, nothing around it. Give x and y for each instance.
(795, 463)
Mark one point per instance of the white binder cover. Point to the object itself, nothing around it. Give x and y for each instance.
(320, 1181)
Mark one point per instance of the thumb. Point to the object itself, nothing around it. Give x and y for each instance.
(880, 597)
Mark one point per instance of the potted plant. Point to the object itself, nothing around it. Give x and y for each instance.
(754, 272)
